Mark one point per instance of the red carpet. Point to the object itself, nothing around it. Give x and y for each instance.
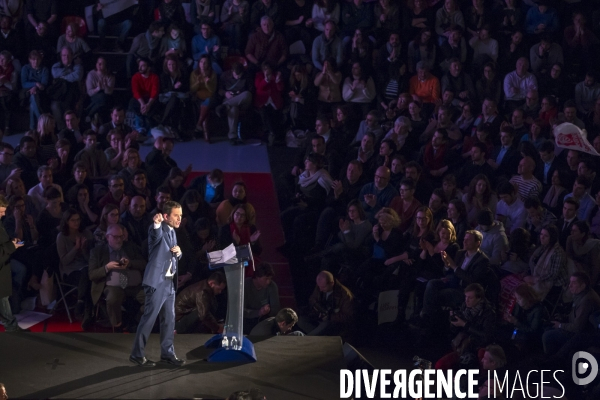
(261, 194)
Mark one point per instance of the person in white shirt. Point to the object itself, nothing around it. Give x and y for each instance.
(36, 193)
(518, 82)
(510, 209)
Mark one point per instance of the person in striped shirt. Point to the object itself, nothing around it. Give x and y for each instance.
(526, 184)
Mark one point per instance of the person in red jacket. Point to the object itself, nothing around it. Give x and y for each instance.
(269, 101)
(145, 86)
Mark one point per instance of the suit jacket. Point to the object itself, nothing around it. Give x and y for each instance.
(160, 256)
(478, 271)
(100, 256)
(510, 161)
(556, 164)
(199, 184)
(563, 234)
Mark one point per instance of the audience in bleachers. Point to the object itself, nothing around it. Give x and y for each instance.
(433, 128)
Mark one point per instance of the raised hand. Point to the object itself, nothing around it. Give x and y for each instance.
(158, 218)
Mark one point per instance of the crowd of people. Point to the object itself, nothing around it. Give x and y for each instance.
(429, 166)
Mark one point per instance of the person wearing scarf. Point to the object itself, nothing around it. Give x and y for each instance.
(145, 45)
(548, 264)
(238, 196)
(240, 231)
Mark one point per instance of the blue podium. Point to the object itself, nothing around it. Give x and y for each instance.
(231, 345)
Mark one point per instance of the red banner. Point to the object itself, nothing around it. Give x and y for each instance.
(570, 137)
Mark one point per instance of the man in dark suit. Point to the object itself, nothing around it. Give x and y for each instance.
(160, 285)
(116, 270)
(470, 265)
(566, 221)
(117, 121)
(7, 247)
(505, 158)
(550, 164)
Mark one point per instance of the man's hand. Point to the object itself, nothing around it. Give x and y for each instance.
(16, 243)
(176, 250)
(125, 202)
(459, 322)
(124, 262)
(158, 218)
(344, 225)
(15, 173)
(208, 246)
(264, 310)
(114, 265)
(338, 188)
(296, 171)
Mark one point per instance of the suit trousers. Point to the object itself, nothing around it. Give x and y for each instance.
(159, 302)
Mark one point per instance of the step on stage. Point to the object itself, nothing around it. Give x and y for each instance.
(96, 366)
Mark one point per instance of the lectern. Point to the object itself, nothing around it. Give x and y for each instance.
(231, 345)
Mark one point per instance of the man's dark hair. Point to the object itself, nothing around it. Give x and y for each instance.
(4, 145)
(408, 182)
(79, 165)
(117, 109)
(547, 146)
(317, 137)
(508, 129)
(570, 104)
(477, 289)
(506, 188)
(25, 139)
(264, 269)
(138, 172)
(571, 200)
(163, 189)
(155, 26)
(582, 277)
(481, 146)
(583, 180)
(169, 206)
(216, 174)
(286, 315)
(89, 132)
(414, 164)
(237, 68)
(439, 192)
(217, 277)
(532, 202)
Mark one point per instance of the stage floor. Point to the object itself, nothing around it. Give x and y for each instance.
(85, 366)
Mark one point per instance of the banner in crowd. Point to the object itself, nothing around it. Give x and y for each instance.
(112, 7)
(570, 137)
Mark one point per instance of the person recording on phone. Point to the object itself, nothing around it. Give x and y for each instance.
(160, 285)
(116, 270)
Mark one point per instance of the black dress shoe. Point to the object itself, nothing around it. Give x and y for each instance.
(142, 361)
(174, 361)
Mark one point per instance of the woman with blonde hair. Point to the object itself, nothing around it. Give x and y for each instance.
(46, 137)
(203, 84)
(431, 252)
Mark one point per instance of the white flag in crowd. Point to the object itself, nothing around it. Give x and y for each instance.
(570, 137)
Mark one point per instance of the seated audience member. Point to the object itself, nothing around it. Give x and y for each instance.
(541, 18)
(239, 231)
(477, 320)
(35, 78)
(327, 45)
(584, 251)
(49, 219)
(537, 217)
(110, 215)
(92, 157)
(438, 203)
(331, 309)
(586, 93)
(581, 195)
(79, 198)
(302, 97)
(328, 82)
(8, 170)
(323, 11)
(207, 43)
(548, 264)
(234, 87)
(69, 39)
(203, 85)
(527, 319)
(266, 45)
(73, 244)
(545, 54)
(99, 85)
(71, 133)
(119, 25)
(279, 325)
(145, 46)
(431, 251)
(457, 80)
(238, 196)
(555, 196)
(173, 44)
(174, 181)
(196, 306)
(268, 99)
(116, 270)
(266, 8)
(450, 188)
(235, 16)
(470, 265)
(358, 48)
(159, 162)
(377, 194)
(516, 259)
(64, 91)
(163, 194)
(116, 151)
(174, 93)
(261, 296)
(359, 88)
(37, 192)
(371, 124)
(455, 48)
(194, 208)
(28, 161)
(518, 83)
(477, 167)
(585, 302)
(489, 86)
(405, 204)
(478, 197)
(443, 121)
(136, 220)
(510, 209)
(569, 114)
(356, 14)
(8, 88)
(424, 85)
(494, 241)
(145, 86)
(79, 177)
(117, 121)
(526, 183)
(567, 220)
(210, 187)
(116, 194)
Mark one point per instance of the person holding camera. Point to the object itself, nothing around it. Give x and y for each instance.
(476, 323)
(116, 270)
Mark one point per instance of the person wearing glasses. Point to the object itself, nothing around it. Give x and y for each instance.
(116, 194)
